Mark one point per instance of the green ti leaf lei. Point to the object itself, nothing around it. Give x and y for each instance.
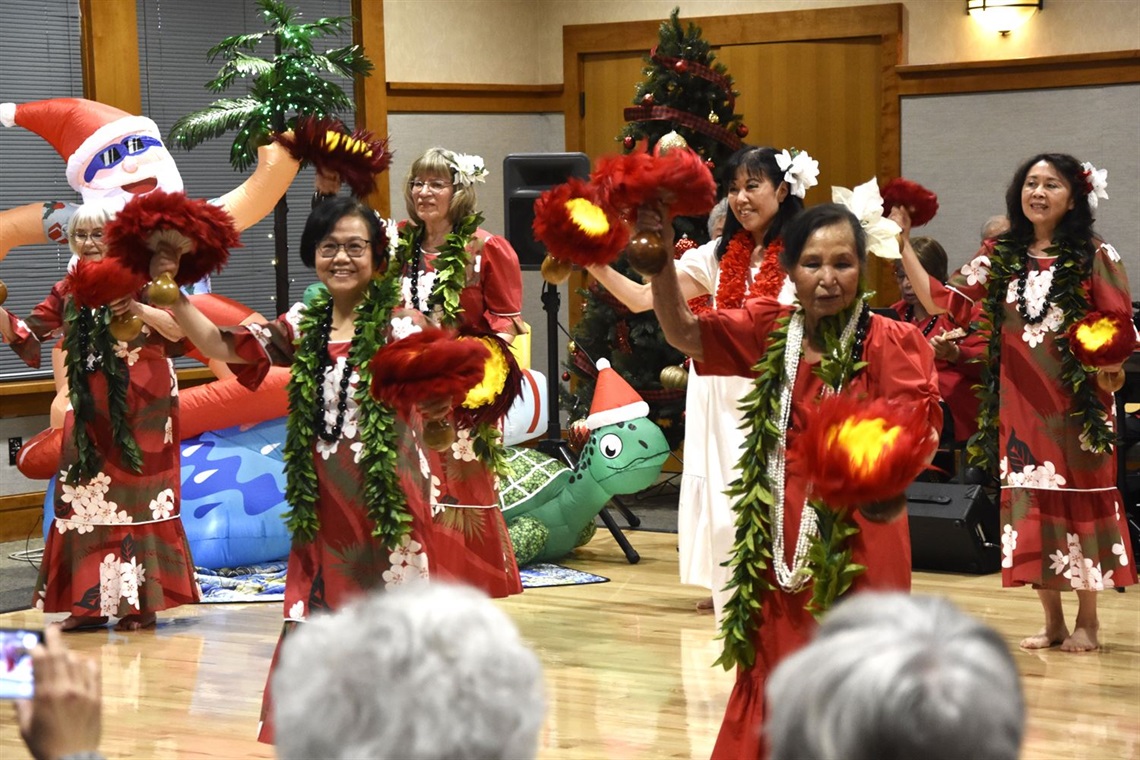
(829, 558)
(87, 332)
(383, 494)
(1007, 262)
(450, 279)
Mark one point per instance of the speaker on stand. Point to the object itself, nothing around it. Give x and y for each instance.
(525, 177)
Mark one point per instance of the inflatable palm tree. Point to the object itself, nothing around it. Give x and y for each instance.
(281, 89)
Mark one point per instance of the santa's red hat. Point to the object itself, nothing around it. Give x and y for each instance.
(77, 128)
(615, 400)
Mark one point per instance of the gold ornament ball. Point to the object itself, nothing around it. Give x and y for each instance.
(671, 141)
(125, 327)
(3, 292)
(713, 118)
(555, 271)
(163, 291)
(674, 376)
(438, 434)
(571, 346)
(645, 253)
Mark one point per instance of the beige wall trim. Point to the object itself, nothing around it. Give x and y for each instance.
(370, 93)
(1089, 69)
(420, 97)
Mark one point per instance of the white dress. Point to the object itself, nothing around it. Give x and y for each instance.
(713, 442)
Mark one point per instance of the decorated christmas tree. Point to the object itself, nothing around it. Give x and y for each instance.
(686, 94)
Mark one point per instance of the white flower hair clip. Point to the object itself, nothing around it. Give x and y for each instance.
(1096, 183)
(468, 169)
(800, 170)
(867, 206)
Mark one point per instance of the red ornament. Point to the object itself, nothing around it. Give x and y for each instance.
(710, 164)
(628, 142)
(684, 244)
(578, 434)
(681, 66)
(565, 377)
(647, 99)
(742, 131)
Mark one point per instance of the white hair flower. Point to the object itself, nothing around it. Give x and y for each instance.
(1096, 183)
(867, 206)
(468, 168)
(800, 171)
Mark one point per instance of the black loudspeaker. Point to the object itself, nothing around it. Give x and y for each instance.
(953, 528)
(525, 177)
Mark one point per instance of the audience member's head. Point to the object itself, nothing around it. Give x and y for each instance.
(717, 217)
(892, 676)
(932, 256)
(420, 672)
(994, 226)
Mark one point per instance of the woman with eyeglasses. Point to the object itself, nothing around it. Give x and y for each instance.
(461, 276)
(957, 350)
(356, 476)
(117, 547)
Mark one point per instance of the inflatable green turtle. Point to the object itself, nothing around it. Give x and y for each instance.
(549, 508)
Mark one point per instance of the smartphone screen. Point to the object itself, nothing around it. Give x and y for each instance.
(16, 645)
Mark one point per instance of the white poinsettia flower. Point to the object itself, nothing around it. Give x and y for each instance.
(463, 448)
(1098, 183)
(801, 171)
(468, 169)
(1060, 562)
(866, 204)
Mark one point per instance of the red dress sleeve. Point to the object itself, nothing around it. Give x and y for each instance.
(963, 293)
(732, 340)
(45, 321)
(901, 367)
(501, 278)
(262, 345)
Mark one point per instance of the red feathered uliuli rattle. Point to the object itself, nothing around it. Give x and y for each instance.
(576, 228)
(920, 202)
(426, 368)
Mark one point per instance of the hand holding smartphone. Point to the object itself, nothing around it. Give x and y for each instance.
(16, 645)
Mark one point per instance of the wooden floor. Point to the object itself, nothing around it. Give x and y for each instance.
(627, 669)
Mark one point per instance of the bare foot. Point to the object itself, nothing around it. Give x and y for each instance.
(1082, 640)
(705, 605)
(137, 622)
(1044, 639)
(82, 623)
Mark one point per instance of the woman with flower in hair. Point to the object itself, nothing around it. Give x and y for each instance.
(788, 562)
(765, 191)
(1045, 424)
(461, 276)
(117, 547)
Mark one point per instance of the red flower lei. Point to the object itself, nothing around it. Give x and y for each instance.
(736, 264)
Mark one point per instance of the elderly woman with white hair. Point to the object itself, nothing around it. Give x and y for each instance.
(892, 675)
(421, 672)
(463, 277)
(118, 548)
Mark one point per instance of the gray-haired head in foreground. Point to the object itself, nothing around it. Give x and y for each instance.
(421, 672)
(894, 677)
(716, 218)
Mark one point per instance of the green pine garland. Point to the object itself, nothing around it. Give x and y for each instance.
(383, 494)
(829, 558)
(1070, 270)
(87, 332)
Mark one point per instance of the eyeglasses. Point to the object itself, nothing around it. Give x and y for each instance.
(433, 186)
(113, 155)
(354, 248)
(95, 237)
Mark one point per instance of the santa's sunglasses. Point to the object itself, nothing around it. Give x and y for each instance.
(113, 155)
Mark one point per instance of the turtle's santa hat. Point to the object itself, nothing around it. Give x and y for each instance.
(615, 400)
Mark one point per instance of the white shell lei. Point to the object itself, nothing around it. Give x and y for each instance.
(793, 578)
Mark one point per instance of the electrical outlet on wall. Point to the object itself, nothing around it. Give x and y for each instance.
(14, 445)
